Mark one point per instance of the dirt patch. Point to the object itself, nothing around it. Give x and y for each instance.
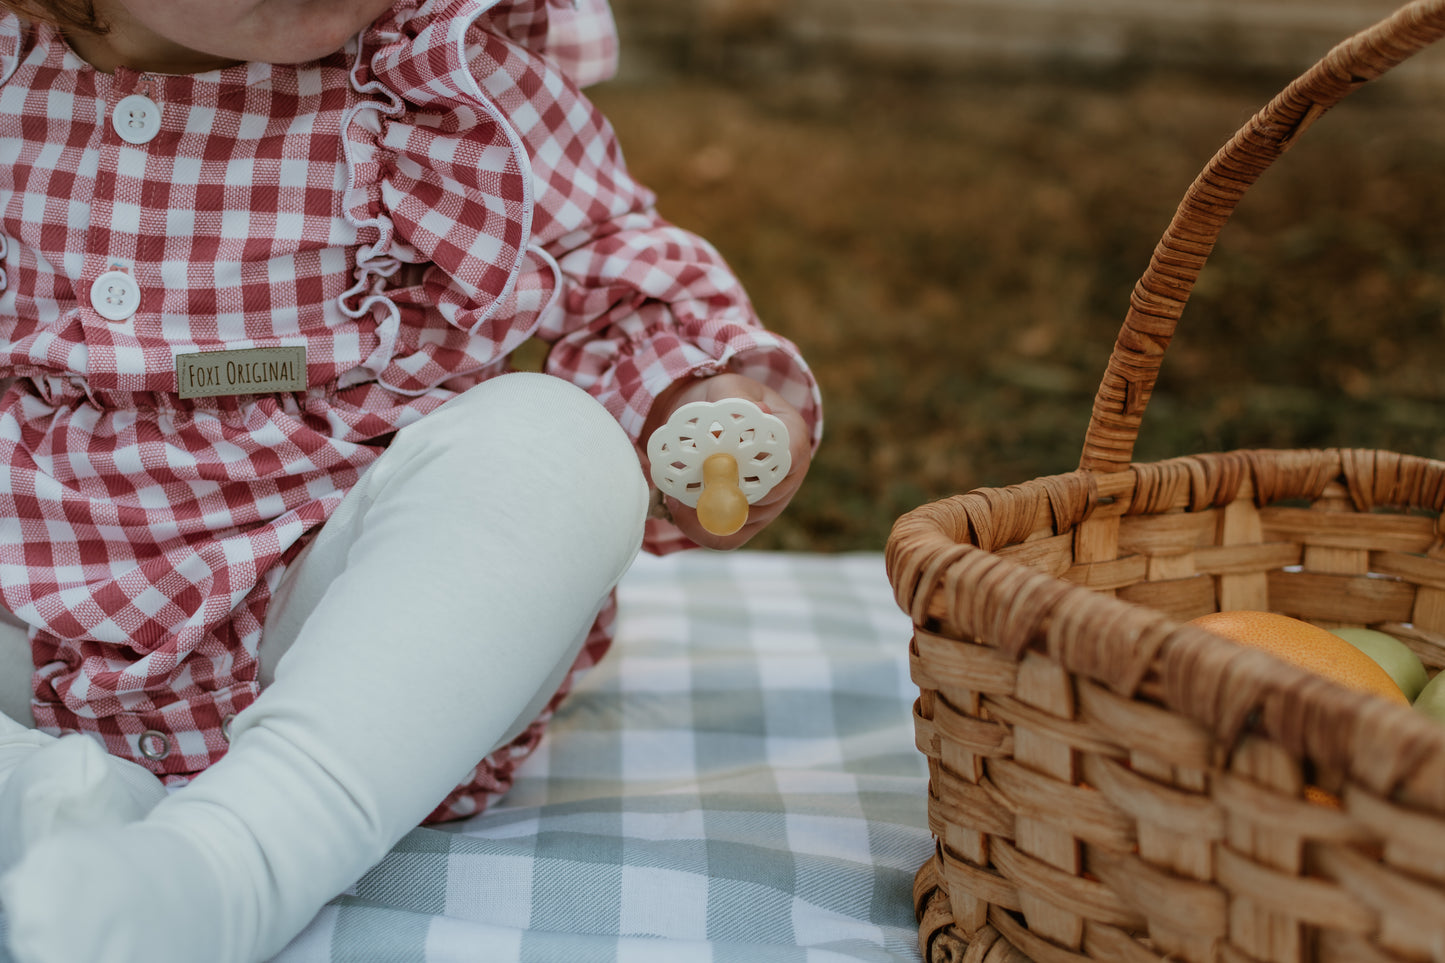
(954, 255)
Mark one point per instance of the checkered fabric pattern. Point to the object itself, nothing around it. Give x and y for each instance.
(736, 783)
(410, 210)
(582, 42)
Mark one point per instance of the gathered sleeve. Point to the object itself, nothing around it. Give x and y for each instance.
(646, 304)
(643, 303)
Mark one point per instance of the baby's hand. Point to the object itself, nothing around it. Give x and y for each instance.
(718, 388)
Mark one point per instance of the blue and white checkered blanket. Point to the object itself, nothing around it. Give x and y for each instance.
(735, 783)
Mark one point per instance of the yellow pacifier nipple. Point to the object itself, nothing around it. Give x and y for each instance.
(722, 508)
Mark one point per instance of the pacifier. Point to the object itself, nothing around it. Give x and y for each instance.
(719, 457)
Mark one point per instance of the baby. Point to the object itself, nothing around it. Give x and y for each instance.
(290, 559)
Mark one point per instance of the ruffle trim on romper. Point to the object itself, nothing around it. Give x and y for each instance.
(9, 60)
(443, 180)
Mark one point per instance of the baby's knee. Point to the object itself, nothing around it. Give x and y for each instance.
(542, 409)
(550, 419)
(535, 431)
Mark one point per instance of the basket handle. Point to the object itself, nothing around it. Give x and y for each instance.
(1160, 295)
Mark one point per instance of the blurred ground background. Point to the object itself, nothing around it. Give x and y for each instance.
(946, 203)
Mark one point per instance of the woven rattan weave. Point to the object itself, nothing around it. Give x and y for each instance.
(1108, 783)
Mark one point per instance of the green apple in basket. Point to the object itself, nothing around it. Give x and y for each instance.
(1431, 700)
(1394, 656)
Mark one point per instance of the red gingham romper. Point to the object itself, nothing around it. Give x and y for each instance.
(409, 210)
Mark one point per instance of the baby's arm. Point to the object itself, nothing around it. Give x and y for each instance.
(653, 319)
(645, 309)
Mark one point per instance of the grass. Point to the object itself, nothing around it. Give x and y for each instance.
(954, 256)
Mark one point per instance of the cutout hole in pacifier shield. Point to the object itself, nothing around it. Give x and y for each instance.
(752, 456)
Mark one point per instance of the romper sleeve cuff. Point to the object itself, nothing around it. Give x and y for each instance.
(652, 364)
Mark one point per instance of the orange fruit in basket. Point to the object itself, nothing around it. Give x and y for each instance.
(1305, 645)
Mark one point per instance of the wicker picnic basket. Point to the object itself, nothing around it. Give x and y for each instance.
(1108, 783)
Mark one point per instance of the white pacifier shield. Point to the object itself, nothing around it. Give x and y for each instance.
(733, 426)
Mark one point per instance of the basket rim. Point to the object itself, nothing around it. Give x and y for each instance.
(942, 576)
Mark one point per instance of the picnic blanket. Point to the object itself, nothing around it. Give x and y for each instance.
(735, 783)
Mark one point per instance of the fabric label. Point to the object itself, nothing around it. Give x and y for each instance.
(244, 371)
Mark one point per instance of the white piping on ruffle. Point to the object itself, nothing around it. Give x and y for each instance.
(374, 266)
(553, 299)
(519, 155)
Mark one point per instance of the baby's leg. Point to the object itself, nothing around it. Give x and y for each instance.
(479, 549)
(49, 784)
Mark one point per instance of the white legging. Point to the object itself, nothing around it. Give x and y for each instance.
(432, 617)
